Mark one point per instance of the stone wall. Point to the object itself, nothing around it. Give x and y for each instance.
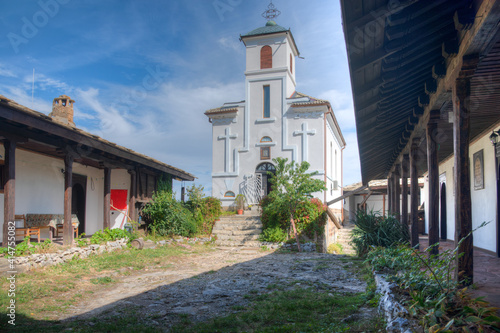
(49, 259)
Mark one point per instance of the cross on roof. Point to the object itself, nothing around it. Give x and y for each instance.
(271, 12)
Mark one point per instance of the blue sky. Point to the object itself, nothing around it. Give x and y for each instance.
(142, 73)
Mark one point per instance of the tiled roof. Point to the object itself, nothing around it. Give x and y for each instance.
(4, 101)
(268, 29)
(311, 101)
(374, 184)
(221, 110)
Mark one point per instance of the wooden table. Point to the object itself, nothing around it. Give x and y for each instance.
(49, 221)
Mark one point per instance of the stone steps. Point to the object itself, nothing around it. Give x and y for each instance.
(238, 230)
(344, 238)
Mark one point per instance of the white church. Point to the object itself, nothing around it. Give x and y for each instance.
(273, 121)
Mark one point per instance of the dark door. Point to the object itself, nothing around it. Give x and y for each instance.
(443, 211)
(79, 198)
(263, 169)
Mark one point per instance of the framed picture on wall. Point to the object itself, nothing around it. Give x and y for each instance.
(478, 165)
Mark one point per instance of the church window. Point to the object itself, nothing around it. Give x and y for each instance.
(291, 63)
(266, 167)
(266, 139)
(229, 194)
(266, 57)
(267, 101)
(265, 153)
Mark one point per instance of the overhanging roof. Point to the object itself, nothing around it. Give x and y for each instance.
(402, 60)
(52, 138)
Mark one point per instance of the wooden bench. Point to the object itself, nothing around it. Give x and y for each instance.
(26, 231)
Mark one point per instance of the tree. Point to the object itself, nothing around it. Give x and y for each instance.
(291, 185)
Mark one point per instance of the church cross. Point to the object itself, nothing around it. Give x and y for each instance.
(227, 146)
(304, 134)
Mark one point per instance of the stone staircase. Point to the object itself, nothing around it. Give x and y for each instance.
(344, 238)
(238, 230)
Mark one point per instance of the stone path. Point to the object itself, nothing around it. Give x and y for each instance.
(209, 285)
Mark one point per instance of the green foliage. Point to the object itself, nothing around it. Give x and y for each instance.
(291, 198)
(240, 201)
(374, 230)
(25, 248)
(166, 216)
(434, 293)
(205, 210)
(274, 235)
(335, 248)
(164, 183)
(103, 236)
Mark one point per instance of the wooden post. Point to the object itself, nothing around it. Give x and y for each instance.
(133, 195)
(414, 193)
(461, 137)
(433, 169)
(383, 204)
(68, 191)
(9, 188)
(404, 191)
(183, 194)
(107, 198)
(389, 195)
(397, 194)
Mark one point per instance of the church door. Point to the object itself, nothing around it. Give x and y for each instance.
(262, 173)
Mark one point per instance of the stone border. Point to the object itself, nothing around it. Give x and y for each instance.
(49, 259)
(396, 315)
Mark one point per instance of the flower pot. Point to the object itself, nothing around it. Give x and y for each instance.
(240, 211)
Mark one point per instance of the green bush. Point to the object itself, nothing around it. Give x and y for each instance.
(205, 210)
(310, 219)
(165, 216)
(274, 235)
(371, 230)
(103, 236)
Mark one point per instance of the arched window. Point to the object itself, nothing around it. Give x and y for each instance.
(266, 139)
(266, 57)
(291, 63)
(229, 194)
(266, 167)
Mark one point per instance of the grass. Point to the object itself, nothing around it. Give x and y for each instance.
(42, 293)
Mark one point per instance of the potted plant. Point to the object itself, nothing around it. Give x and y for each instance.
(240, 203)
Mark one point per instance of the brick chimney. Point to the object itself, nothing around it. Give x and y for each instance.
(62, 110)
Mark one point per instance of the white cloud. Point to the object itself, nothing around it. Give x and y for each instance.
(352, 169)
(6, 72)
(231, 44)
(342, 107)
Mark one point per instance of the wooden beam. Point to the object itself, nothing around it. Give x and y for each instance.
(107, 198)
(133, 195)
(366, 197)
(433, 169)
(461, 139)
(356, 191)
(405, 168)
(414, 192)
(333, 218)
(389, 195)
(9, 188)
(68, 192)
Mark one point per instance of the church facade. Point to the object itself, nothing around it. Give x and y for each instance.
(273, 121)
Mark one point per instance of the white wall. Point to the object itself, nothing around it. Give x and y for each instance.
(40, 188)
(483, 200)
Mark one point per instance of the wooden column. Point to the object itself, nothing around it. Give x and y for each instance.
(389, 195)
(383, 204)
(9, 188)
(414, 193)
(404, 191)
(433, 169)
(68, 191)
(107, 198)
(133, 195)
(461, 137)
(397, 194)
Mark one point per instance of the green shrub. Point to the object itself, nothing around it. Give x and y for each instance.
(103, 236)
(205, 210)
(310, 219)
(371, 230)
(166, 216)
(335, 248)
(274, 235)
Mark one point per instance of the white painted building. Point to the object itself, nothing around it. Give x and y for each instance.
(273, 121)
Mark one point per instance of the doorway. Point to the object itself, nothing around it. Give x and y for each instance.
(263, 170)
(443, 212)
(79, 198)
